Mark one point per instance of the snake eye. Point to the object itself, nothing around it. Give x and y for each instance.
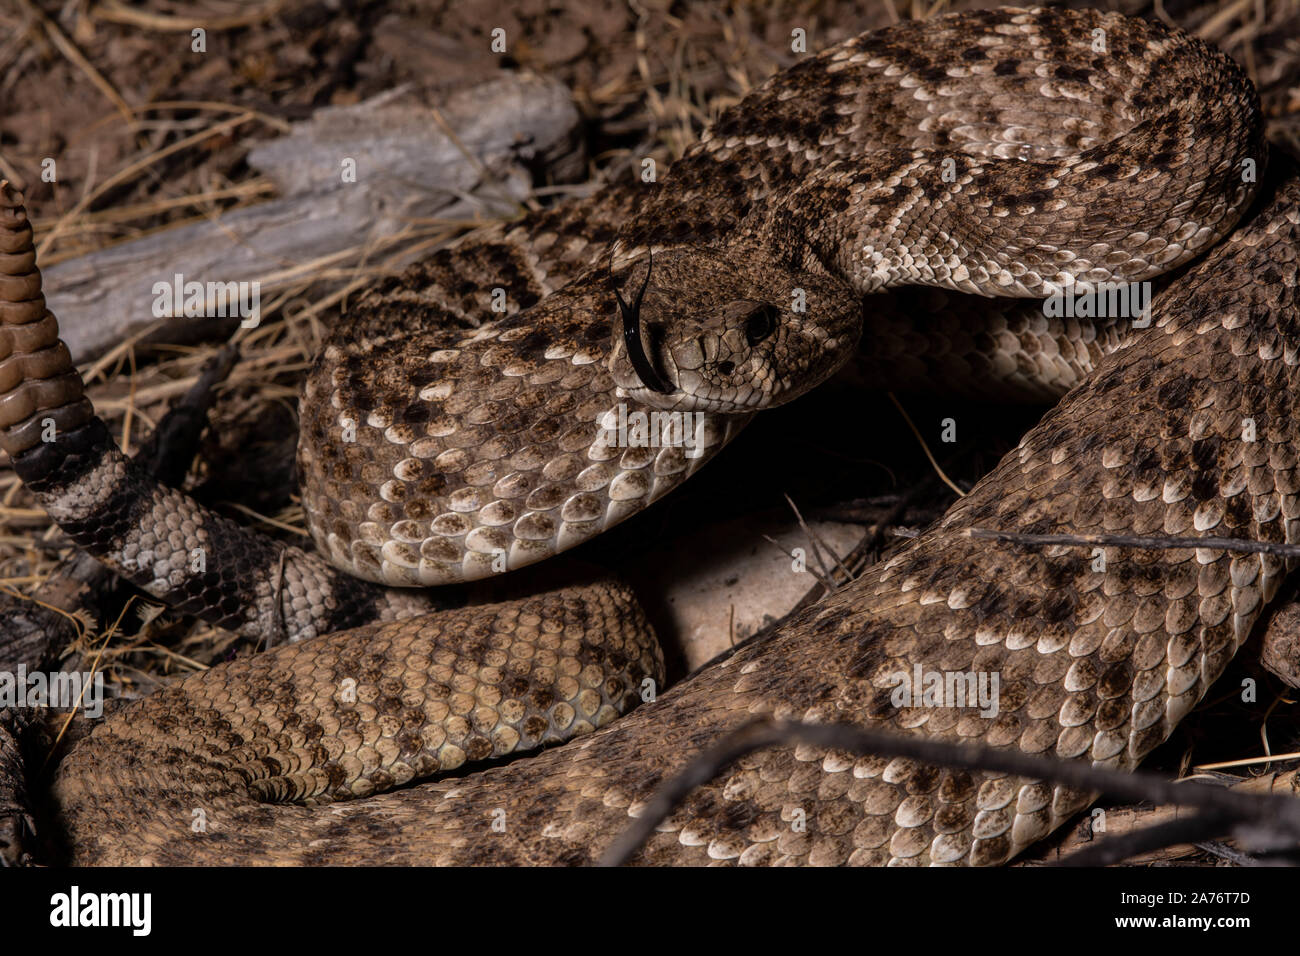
(760, 325)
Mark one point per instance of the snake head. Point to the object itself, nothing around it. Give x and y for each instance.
(694, 332)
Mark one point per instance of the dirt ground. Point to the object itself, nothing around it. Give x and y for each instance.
(106, 90)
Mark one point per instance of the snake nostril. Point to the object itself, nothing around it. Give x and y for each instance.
(726, 368)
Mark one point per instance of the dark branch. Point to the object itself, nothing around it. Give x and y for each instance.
(1151, 543)
(169, 450)
(1116, 849)
(1282, 813)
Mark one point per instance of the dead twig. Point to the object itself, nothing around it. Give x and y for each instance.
(1146, 542)
(114, 11)
(1220, 812)
(926, 448)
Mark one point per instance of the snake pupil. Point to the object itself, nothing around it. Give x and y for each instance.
(760, 325)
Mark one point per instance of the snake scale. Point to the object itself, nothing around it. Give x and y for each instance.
(1005, 154)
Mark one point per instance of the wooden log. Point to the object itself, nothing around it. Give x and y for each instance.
(473, 157)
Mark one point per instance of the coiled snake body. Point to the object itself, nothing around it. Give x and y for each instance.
(1005, 153)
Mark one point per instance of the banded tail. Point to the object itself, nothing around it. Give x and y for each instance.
(158, 538)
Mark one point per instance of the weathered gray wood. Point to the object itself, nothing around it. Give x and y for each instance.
(406, 166)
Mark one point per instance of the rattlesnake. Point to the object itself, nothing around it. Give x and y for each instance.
(1003, 153)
